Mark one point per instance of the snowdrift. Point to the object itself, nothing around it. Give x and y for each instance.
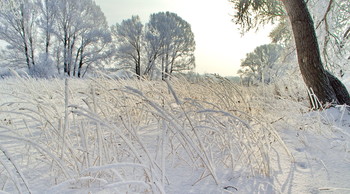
(102, 135)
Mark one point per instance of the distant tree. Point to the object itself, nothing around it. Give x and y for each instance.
(18, 29)
(72, 34)
(171, 41)
(261, 64)
(46, 21)
(282, 33)
(130, 39)
(309, 58)
(82, 33)
(153, 47)
(66, 30)
(95, 39)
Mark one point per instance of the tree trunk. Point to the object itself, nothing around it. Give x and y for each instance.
(166, 70)
(78, 56)
(47, 42)
(163, 66)
(81, 62)
(32, 51)
(340, 90)
(65, 55)
(138, 64)
(24, 37)
(26, 53)
(309, 58)
(151, 64)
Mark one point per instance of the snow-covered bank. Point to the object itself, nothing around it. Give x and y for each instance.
(127, 136)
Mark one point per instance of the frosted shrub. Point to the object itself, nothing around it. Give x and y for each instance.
(44, 68)
(5, 73)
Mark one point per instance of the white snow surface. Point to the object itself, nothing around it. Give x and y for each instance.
(127, 136)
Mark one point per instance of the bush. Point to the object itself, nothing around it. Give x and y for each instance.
(44, 68)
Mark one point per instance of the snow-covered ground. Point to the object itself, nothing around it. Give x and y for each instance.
(125, 136)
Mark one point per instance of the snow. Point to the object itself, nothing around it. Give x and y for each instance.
(321, 152)
(132, 136)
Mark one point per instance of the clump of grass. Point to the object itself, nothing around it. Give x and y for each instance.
(124, 135)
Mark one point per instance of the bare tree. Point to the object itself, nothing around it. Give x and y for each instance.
(17, 29)
(94, 39)
(82, 30)
(170, 40)
(332, 30)
(46, 21)
(309, 58)
(261, 64)
(130, 37)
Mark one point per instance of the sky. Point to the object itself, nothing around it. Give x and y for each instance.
(219, 44)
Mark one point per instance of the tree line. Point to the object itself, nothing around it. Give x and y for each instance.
(72, 37)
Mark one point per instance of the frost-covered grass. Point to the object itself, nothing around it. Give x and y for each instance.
(103, 135)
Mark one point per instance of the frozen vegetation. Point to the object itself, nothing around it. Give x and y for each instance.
(102, 135)
(120, 134)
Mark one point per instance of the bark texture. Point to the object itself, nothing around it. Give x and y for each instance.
(309, 59)
(340, 90)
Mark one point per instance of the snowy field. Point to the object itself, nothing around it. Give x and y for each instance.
(202, 136)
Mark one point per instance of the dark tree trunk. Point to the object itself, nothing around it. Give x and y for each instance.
(24, 37)
(32, 50)
(47, 44)
(151, 64)
(81, 62)
(166, 68)
(309, 58)
(26, 54)
(78, 57)
(65, 55)
(340, 90)
(138, 64)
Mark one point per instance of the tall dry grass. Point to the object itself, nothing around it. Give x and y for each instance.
(125, 135)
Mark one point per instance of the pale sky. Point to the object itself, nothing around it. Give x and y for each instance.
(219, 45)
